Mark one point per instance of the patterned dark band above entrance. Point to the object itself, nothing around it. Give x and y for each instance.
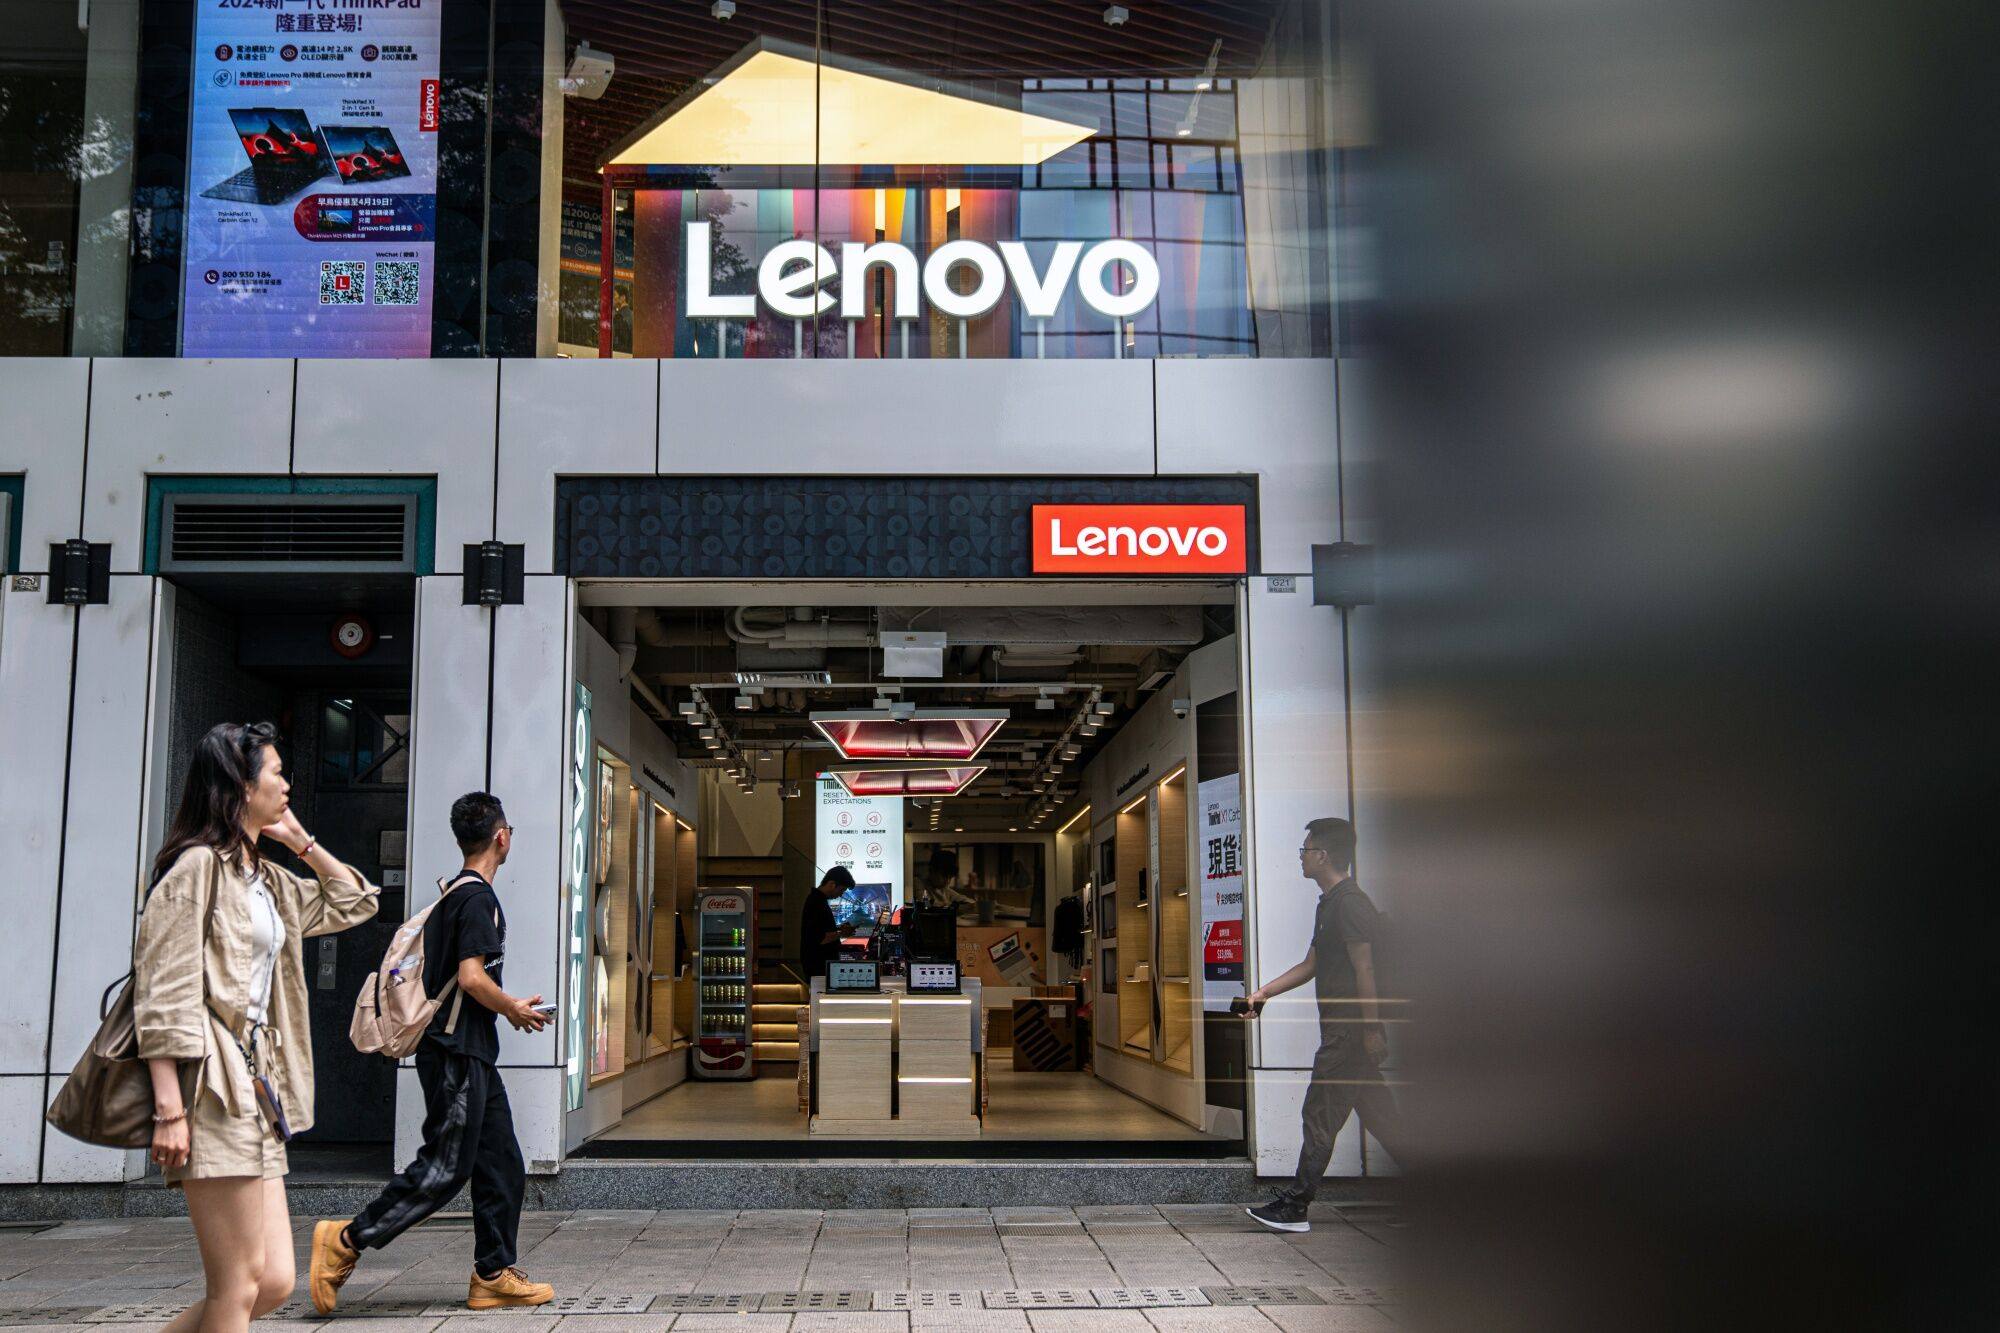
(846, 528)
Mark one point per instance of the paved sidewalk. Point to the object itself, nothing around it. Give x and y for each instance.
(1124, 1269)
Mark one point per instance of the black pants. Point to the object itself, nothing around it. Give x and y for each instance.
(1344, 1078)
(468, 1136)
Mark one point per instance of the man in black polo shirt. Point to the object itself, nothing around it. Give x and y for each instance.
(468, 1125)
(1346, 1072)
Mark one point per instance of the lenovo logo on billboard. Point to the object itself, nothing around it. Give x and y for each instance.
(1140, 539)
(427, 108)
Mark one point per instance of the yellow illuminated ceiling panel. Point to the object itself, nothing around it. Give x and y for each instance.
(760, 113)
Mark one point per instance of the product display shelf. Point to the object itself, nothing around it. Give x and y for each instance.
(1137, 1024)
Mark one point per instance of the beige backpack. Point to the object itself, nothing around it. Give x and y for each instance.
(392, 1013)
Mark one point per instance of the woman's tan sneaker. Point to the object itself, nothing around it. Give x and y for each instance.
(510, 1286)
(332, 1264)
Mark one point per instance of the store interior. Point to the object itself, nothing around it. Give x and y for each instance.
(1036, 828)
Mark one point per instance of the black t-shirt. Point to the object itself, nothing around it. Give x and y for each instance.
(814, 922)
(1345, 917)
(467, 924)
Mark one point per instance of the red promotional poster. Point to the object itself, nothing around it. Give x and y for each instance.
(1224, 947)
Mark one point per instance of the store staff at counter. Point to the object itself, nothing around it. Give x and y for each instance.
(819, 934)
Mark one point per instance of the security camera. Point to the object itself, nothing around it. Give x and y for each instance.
(1181, 707)
(1115, 15)
(589, 73)
(722, 10)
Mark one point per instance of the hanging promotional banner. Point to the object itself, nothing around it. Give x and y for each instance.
(1221, 805)
(312, 178)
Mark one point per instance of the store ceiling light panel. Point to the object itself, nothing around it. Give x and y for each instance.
(924, 733)
(908, 780)
(758, 110)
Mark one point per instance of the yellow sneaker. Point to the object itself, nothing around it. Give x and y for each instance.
(332, 1264)
(508, 1287)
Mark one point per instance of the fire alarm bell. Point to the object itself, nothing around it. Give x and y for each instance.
(352, 636)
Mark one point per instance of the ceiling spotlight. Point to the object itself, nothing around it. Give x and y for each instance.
(688, 709)
(722, 10)
(744, 702)
(1114, 15)
(1104, 708)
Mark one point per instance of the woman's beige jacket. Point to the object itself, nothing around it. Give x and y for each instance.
(188, 1006)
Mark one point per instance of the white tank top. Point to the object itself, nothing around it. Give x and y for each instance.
(267, 937)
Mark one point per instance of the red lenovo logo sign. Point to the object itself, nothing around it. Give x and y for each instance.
(1140, 539)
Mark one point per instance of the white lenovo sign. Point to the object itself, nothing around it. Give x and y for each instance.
(793, 277)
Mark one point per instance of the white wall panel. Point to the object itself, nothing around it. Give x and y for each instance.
(34, 736)
(1274, 418)
(108, 760)
(887, 417)
(1278, 1094)
(162, 415)
(44, 400)
(402, 418)
(20, 1146)
(568, 418)
(530, 744)
(1297, 772)
(449, 727)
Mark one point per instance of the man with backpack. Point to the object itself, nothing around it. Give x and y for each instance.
(1342, 963)
(468, 1126)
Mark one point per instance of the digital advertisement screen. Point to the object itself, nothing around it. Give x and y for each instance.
(312, 178)
(865, 834)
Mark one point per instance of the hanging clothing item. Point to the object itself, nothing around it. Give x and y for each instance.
(1068, 930)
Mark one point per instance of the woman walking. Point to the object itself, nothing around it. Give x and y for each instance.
(219, 979)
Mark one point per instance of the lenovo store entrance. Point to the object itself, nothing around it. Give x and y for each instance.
(919, 862)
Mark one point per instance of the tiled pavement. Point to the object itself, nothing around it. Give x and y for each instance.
(1125, 1269)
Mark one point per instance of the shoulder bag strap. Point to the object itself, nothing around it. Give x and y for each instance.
(451, 985)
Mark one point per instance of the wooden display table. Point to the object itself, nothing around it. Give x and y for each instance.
(896, 1065)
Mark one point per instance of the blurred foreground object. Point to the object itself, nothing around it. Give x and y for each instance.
(1681, 382)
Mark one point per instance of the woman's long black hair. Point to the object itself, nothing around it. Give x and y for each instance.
(226, 763)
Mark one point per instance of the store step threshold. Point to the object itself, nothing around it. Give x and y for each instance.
(946, 1150)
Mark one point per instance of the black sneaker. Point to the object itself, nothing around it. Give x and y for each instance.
(1283, 1213)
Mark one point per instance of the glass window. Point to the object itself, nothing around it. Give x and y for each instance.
(151, 203)
(67, 79)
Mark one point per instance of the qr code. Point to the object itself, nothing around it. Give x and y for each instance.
(396, 281)
(342, 281)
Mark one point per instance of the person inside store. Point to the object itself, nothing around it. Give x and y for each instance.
(218, 977)
(819, 933)
(941, 882)
(468, 1124)
(1342, 961)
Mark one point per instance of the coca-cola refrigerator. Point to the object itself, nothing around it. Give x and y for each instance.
(726, 930)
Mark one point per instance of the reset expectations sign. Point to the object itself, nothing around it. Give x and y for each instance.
(312, 178)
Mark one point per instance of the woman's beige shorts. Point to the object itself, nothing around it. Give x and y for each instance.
(221, 1144)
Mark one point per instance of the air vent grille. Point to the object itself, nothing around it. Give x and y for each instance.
(330, 533)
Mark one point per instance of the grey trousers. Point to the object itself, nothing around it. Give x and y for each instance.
(1344, 1079)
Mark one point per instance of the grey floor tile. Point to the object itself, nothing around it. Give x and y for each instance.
(1225, 1319)
(969, 1321)
(1326, 1318)
(614, 1323)
(517, 1322)
(732, 1323)
(1088, 1321)
(850, 1321)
